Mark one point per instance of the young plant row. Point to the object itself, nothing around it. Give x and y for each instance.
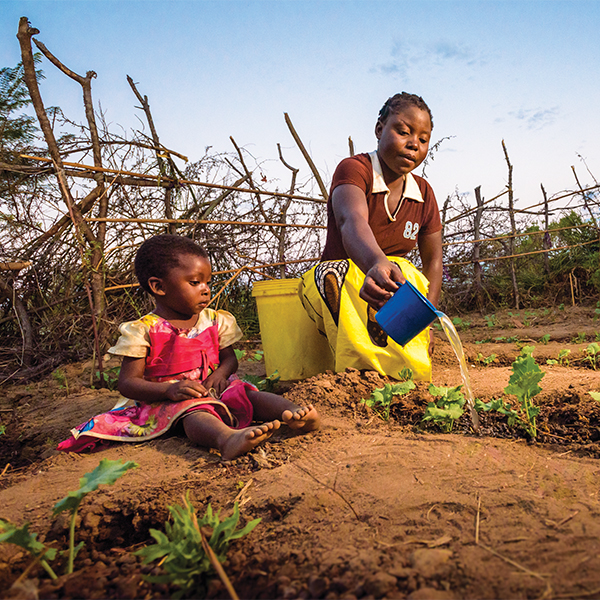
(447, 405)
(188, 551)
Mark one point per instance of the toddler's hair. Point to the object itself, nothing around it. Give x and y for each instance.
(399, 101)
(160, 253)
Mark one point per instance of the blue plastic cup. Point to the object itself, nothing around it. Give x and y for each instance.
(406, 314)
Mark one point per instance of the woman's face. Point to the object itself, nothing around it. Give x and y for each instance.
(403, 141)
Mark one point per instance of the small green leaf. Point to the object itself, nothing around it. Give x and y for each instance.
(107, 472)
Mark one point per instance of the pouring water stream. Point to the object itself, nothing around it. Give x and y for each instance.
(456, 344)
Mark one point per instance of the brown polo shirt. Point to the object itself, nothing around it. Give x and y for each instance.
(396, 233)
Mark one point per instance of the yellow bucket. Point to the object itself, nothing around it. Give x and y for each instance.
(291, 342)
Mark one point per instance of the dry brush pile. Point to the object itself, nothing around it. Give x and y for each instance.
(77, 199)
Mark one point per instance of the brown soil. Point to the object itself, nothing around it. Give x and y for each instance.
(361, 509)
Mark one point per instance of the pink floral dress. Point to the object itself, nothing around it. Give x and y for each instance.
(171, 354)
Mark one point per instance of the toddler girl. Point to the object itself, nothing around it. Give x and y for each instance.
(179, 364)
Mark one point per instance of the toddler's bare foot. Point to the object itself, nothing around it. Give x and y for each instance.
(243, 440)
(305, 418)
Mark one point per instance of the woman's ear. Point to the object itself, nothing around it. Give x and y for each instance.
(156, 286)
(378, 129)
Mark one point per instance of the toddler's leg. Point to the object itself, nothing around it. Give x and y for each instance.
(269, 406)
(205, 429)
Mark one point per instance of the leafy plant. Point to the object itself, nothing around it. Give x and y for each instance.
(561, 358)
(597, 311)
(61, 379)
(461, 324)
(490, 320)
(406, 374)
(9, 534)
(545, 339)
(447, 408)
(109, 377)
(264, 384)
(257, 356)
(181, 549)
(2, 429)
(579, 338)
(381, 398)
(595, 395)
(592, 352)
(485, 361)
(107, 472)
(523, 384)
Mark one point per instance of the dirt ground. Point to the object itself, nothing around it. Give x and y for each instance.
(361, 509)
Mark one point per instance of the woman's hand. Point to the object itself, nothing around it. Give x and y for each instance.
(381, 282)
(185, 390)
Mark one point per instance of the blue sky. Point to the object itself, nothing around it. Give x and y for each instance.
(523, 71)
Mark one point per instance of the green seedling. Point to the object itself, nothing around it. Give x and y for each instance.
(381, 398)
(597, 336)
(490, 320)
(107, 472)
(597, 311)
(529, 316)
(460, 324)
(595, 395)
(485, 361)
(264, 384)
(437, 326)
(579, 338)
(2, 429)
(561, 359)
(406, 374)
(61, 379)
(257, 356)
(592, 352)
(180, 549)
(546, 312)
(561, 307)
(523, 384)
(501, 338)
(110, 377)
(545, 339)
(9, 534)
(447, 408)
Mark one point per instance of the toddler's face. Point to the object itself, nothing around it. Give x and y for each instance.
(187, 286)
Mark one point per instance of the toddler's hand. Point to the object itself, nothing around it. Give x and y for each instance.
(186, 389)
(217, 381)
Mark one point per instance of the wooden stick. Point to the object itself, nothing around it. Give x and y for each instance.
(214, 561)
(168, 181)
(205, 221)
(477, 521)
(468, 262)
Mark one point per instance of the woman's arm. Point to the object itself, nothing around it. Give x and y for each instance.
(351, 213)
(133, 385)
(430, 249)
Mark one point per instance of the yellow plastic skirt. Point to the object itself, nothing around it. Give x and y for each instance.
(330, 295)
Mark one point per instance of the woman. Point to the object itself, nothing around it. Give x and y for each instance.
(377, 212)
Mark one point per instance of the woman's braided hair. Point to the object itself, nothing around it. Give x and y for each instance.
(399, 101)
